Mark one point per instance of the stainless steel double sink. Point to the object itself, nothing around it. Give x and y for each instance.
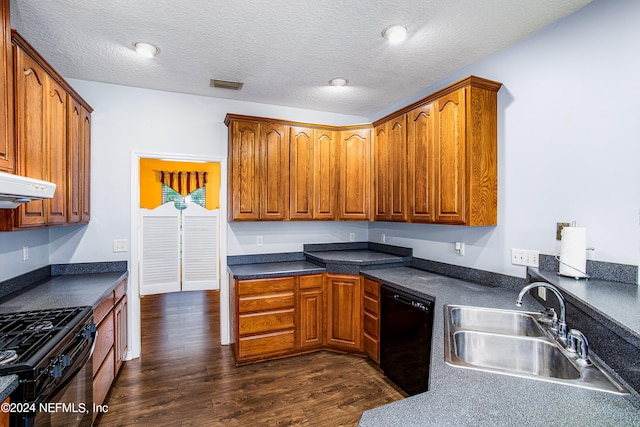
(516, 343)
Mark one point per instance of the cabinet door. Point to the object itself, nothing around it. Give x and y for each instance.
(56, 119)
(74, 161)
(7, 148)
(344, 311)
(397, 129)
(325, 174)
(301, 176)
(355, 180)
(450, 158)
(420, 161)
(274, 172)
(85, 170)
(310, 311)
(30, 81)
(244, 177)
(381, 172)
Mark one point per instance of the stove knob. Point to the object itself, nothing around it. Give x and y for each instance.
(56, 371)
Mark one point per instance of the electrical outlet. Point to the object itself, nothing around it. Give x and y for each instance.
(120, 245)
(383, 238)
(542, 293)
(352, 237)
(559, 227)
(525, 257)
(25, 253)
(459, 248)
(259, 241)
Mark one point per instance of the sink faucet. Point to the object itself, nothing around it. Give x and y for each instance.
(579, 344)
(561, 323)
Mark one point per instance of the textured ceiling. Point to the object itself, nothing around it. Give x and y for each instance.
(284, 52)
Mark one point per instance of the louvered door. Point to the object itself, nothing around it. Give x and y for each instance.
(160, 251)
(199, 248)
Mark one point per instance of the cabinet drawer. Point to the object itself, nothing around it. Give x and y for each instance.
(263, 286)
(267, 344)
(371, 305)
(371, 325)
(372, 288)
(120, 290)
(265, 302)
(104, 341)
(371, 347)
(311, 281)
(103, 308)
(266, 322)
(103, 379)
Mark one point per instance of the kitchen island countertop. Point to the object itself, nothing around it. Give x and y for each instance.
(459, 397)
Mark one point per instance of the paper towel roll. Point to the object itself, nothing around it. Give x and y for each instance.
(573, 252)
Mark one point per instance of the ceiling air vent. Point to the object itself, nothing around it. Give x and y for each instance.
(223, 84)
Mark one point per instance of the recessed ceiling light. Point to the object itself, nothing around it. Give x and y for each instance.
(338, 81)
(147, 50)
(395, 33)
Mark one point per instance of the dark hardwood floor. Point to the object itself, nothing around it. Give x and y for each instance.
(186, 378)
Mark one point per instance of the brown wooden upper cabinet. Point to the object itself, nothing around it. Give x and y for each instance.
(354, 190)
(7, 143)
(280, 170)
(52, 142)
(313, 173)
(390, 170)
(434, 161)
(452, 155)
(258, 170)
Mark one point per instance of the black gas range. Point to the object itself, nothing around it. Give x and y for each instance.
(50, 352)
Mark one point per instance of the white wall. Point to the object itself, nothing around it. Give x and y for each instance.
(11, 259)
(569, 144)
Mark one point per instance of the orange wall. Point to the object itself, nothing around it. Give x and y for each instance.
(151, 188)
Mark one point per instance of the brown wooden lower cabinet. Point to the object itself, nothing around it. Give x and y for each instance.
(110, 316)
(265, 323)
(284, 316)
(344, 311)
(311, 311)
(371, 319)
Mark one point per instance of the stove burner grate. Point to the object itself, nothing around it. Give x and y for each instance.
(7, 356)
(43, 325)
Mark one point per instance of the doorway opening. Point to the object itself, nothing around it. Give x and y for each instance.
(135, 334)
(179, 226)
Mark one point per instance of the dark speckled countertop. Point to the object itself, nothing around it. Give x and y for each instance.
(620, 302)
(358, 257)
(74, 290)
(463, 397)
(274, 269)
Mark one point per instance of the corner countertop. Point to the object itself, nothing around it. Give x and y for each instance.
(460, 397)
(273, 269)
(356, 257)
(74, 290)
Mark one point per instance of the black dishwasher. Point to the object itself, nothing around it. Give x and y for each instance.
(406, 326)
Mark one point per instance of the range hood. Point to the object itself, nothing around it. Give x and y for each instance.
(16, 189)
